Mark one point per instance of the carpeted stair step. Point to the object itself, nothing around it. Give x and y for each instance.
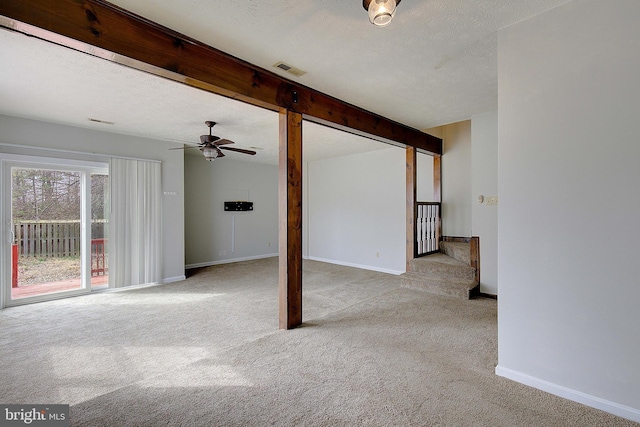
(457, 250)
(442, 274)
(458, 288)
(441, 265)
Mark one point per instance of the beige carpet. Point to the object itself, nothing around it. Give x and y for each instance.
(207, 352)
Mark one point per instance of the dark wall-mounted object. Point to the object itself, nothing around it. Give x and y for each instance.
(238, 206)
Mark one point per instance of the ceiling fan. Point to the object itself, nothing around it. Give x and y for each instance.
(211, 145)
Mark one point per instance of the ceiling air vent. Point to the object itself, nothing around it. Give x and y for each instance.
(289, 69)
(104, 122)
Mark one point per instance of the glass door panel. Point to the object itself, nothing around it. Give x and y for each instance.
(99, 231)
(48, 232)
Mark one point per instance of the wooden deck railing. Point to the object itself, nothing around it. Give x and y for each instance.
(52, 239)
(99, 260)
(427, 230)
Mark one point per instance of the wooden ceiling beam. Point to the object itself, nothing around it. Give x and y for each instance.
(102, 29)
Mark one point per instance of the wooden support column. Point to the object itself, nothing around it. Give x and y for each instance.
(411, 189)
(290, 214)
(437, 178)
(437, 190)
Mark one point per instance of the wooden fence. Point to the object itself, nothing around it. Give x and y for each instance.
(52, 238)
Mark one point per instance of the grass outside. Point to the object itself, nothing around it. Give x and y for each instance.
(34, 270)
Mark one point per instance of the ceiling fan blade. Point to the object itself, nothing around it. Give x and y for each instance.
(239, 150)
(224, 141)
(220, 154)
(184, 148)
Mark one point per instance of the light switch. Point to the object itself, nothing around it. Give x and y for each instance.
(492, 200)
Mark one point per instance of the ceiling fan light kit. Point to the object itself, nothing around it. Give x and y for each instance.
(381, 12)
(209, 152)
(210, 145)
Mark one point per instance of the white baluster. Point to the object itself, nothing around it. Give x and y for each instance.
(419, 229)
(424, 229)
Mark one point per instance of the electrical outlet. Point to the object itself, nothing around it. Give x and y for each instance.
(492, 200)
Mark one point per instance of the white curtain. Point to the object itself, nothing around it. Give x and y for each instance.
(135, 224)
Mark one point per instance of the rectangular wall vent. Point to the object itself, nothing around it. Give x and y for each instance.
(289, 69)
(104, 122)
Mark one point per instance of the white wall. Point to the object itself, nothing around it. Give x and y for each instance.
(424, 178)
(456, 179)
(357, 210)
(99, 146)
(214, 236)
(484, 181)
(569, 99)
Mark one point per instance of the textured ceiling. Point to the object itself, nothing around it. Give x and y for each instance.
(436, 63)
(73, 88)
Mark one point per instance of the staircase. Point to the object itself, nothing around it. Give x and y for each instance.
(448, 272)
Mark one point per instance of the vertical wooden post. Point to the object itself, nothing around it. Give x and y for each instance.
(437, 193)
(474, 256)
(437, 178)
(290, 214)
(411, 190)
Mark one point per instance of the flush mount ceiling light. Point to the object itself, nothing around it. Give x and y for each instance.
(380, 11)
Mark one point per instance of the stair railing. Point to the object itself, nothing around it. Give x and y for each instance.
(427, 230)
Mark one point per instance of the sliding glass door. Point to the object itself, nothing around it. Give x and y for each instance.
(50, 215)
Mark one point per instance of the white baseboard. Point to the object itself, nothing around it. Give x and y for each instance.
(329, 261)
(363, 267)
(623, 411)
(124, 288)
(173, 279)
(228, 261)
